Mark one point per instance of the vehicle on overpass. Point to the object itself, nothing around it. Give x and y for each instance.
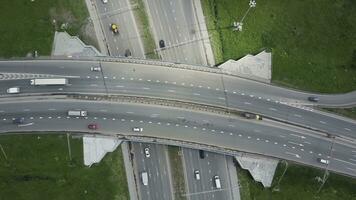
(137, 129)
(77, 113)
(18, 120)
(251, 116)
(93, 126)
(197, 175)
(49, 81)
(13, 90)
(144, 178)
(147, 152)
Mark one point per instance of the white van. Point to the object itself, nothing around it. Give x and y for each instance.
(144, 178)
(13, 90)
(217, 182)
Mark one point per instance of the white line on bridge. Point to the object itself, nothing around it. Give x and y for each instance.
(322, 122)
(295, 135)
(296, 115)
(344, 161)
(295, 143)
(347, 129)
(272, 109)
(293, 154)
(247, 103)
(29, 124)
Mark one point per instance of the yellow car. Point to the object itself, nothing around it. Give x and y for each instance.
(114, 28)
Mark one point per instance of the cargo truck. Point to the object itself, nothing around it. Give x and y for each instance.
(77, 113)
(49, 81)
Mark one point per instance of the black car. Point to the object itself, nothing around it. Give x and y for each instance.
(161, 44)
(313, 99)
(19, 120)
(201, 154)
(127, 53)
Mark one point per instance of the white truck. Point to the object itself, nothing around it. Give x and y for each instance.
(144, 178)
(49, 81)
(217, 182)
(77, 113)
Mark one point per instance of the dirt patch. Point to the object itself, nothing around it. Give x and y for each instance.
(61, 16)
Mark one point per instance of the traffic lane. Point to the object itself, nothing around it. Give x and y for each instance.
(173, 29)
(332, 125)
(50, 67)
(156, 165)
(165, 129)
(213, 164)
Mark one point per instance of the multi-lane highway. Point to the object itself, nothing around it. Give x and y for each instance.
(175, 23)
(156, 165)
(128, 39)
(229, 132)
(175, 83)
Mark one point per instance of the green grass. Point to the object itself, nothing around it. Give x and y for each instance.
(313, 43)
(347, 112)
(144, 28)
(26, 26)
(38, 167)
(298, 183)
(177, 172)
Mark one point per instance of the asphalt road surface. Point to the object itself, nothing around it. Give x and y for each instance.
(213, 164)
(173, 83)
(159, 178)
(262, 137)
(120, 12)
(175, 23)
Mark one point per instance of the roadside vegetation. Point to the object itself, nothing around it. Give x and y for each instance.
(175, 158)
(26, 26)
(298, 182)
(347, 112)
(313, 43)
(39, 167)
(143, 24)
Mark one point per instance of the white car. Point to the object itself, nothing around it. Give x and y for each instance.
(105, 1)
(323, 161)
(95, 69)
(137, 129)
(147, 152)
(13, 90)
(197, 175)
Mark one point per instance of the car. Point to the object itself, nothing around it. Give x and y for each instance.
(161, 44)
(323, 161)
(95, 69)
(105, 1)
(147, 152)
(18, 120)
(13, 90)
(201, 154)
(114, 28)
(127, 53)
(251, 116)
(137, 129)
(313, 99)
(197, 175)
(93, 126)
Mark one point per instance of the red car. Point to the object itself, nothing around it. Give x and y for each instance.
(93, 126)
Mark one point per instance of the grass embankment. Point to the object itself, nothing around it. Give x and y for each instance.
(347, 112)
(175, 159)
(298, 182)
(313, 43)
(143, 24)
(39, 167)
(26, 26)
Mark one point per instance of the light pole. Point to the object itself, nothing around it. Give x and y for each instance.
(237, 26)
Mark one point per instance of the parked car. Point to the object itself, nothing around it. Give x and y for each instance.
(105, 1)
(147, 152)
(162, 44)
(217, 182)
(313, 99)
(93, 126)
